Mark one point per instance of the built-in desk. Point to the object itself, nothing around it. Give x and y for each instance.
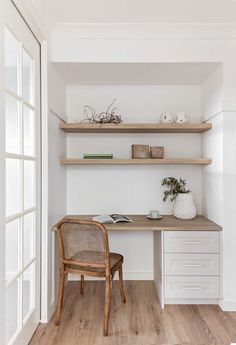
(187, 257)
(167, 223)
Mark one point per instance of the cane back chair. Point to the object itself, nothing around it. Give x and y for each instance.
(84, 250)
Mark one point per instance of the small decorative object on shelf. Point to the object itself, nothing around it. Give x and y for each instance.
(98, 156)
(184, 207)
(108, 116)
(140, 151)
(157, 151)
(181, 117)
(166, 118)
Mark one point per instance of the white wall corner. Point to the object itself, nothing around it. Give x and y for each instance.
(32, 18)
(227, 305)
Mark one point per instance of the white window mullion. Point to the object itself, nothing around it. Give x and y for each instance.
(19, 156)
(18, 215)
(16, 276)
(29, 105)
(13, 94)
(19, 98)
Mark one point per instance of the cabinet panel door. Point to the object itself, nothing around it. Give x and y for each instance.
(192, 264)
(191, 287)
(191, 242)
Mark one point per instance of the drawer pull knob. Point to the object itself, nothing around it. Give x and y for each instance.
(191, 265)
(191, 287)
(191, 242)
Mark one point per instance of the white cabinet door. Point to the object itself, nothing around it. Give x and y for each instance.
(187, 287)
(192, 264)
(191, 242)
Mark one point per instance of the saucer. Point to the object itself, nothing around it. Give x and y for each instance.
(150, 217)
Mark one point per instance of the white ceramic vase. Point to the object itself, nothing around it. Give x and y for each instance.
(184, 207)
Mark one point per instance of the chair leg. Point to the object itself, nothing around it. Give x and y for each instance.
(107, 305)
(122, 293)
(82, 285)
(60, 296)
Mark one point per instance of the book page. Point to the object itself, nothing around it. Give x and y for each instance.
(120, 218)
(104, 219)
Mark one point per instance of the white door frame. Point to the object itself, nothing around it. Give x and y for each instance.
(41, 35)
(2, 177)
(35, 25)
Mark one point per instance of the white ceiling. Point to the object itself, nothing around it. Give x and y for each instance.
(135, 73)
(54, 12)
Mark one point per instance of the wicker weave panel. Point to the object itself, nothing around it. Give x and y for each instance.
(114, 259)
(83, 242)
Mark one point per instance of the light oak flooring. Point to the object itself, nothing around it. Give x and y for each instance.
(138, 322)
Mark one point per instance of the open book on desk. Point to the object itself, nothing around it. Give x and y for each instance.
(113, 218)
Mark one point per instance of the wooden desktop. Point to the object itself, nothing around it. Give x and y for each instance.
(167, 223)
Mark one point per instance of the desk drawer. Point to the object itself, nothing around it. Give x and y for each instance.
(192, 287)
(191, 242)
(192, 264)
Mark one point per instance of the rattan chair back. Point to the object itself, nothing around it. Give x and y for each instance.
(83, 243)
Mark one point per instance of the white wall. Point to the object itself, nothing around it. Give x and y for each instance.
(171, 43)
(229, 210)
(131, 189)
(212, 180)
(212, 93)
(219, 178)
(56, 175)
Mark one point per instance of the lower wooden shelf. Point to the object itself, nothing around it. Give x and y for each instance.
(191, 161)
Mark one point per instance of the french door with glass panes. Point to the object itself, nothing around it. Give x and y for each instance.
(22, 179)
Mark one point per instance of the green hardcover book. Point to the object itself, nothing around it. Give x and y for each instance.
(98, 156)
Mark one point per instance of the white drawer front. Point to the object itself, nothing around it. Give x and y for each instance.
(192, 264)
(192, 287)
(191, 242)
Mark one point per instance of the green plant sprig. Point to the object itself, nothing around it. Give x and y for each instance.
(174, 187)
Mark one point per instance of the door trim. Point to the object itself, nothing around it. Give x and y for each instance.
(29, 14)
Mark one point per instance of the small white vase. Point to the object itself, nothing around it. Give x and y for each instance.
(184, 207)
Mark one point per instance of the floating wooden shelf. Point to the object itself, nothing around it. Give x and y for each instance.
(77, 161)
(135, 127)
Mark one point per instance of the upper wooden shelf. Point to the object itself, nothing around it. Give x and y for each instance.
(81, 161)
(81, 127)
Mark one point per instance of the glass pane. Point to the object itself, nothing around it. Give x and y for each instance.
(11, 311)
(11, 61)
(12, 186)
(12, 125)
(29, 184)
(29, 132)
(28, 291)
(12, 249)
(27, 78)
(29, 237)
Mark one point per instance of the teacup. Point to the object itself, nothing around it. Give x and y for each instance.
(154, 214)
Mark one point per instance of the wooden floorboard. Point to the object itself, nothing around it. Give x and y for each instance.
(140, 321)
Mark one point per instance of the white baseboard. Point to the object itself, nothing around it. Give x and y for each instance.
(227, 305)
(191, 301)
(126, 276)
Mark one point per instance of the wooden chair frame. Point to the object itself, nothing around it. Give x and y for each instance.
(105, 271)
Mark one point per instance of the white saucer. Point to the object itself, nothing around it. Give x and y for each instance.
(150, 217)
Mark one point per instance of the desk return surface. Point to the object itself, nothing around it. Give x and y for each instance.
(167, 223)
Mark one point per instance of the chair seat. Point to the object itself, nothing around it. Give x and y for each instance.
(89, 256)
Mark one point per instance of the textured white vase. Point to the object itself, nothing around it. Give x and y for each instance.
(184, 207)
